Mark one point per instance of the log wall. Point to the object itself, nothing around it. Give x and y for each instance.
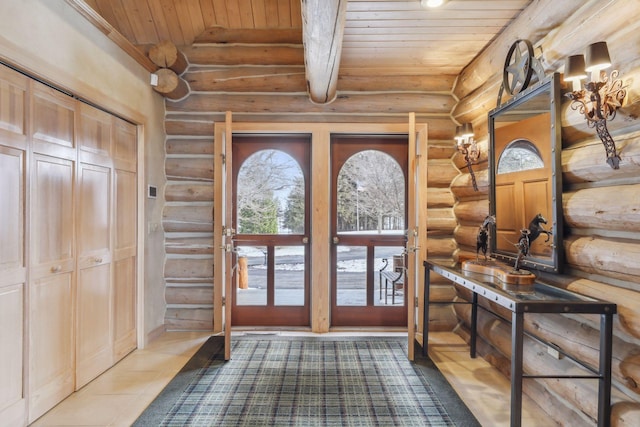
(601, 209)
(267, 85)
(441, 223)
(188, 225)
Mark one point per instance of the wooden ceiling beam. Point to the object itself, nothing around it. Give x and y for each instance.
(345, 103)
(244, 54)
(322, 33)
(220, 34)
(291, 79)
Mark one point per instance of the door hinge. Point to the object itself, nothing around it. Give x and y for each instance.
(223, 157)
(415, 248)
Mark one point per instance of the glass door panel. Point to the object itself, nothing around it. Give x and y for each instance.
(368, 217)
(289, 275)
(389, 276)
(251, 275)
(351, 276)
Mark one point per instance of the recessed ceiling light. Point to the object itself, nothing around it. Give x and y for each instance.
(431, 3)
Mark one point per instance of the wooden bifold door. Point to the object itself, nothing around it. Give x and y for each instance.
(68, 256)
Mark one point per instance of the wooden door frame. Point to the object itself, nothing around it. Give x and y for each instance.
(221, 287)
(320, 144)
(417, 234)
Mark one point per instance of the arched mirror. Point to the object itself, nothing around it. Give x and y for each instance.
(525, 176)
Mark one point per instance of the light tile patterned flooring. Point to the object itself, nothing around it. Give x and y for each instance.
(118, 396)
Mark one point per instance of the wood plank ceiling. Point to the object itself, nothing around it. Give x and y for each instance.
(386, 45)
(393, 34)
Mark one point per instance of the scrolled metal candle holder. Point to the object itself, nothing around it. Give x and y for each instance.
(598, 102)
(601, 97)
(467, 146)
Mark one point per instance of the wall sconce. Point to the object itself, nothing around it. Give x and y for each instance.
(602, 95)
(466, 145)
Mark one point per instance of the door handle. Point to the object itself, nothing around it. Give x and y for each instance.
(335, 240)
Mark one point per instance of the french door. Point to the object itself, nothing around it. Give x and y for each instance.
(368, 229)
(270, 217)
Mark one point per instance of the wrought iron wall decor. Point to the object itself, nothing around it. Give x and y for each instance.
(600, 97)
(519, 67)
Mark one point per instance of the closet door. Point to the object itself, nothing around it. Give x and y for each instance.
(51, 249)
(13, 271)
(124, 254)
(94, 348)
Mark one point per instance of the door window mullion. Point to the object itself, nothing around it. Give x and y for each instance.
(270, 276)
(370, 275)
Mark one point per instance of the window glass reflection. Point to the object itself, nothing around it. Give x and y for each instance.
(519, 155)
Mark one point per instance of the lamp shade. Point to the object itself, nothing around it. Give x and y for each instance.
(598, 57)
(458, 137)
(574, 68)
(467, 130)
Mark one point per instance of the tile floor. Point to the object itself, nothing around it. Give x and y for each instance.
(118, 396)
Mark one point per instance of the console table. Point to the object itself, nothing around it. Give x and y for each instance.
(536, 298)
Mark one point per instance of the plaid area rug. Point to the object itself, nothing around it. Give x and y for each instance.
(312, 382)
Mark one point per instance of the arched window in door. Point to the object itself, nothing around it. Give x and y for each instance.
(519, 155)
(371, 194)
(270, 194)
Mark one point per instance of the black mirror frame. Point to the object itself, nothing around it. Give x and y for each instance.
(552, 85)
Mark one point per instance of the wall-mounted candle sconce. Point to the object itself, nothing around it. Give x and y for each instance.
(602, 95)
(466, 145)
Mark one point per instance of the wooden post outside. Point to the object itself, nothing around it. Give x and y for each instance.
(243, 274)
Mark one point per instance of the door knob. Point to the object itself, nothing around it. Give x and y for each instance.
(305, 240)
(336, 240)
